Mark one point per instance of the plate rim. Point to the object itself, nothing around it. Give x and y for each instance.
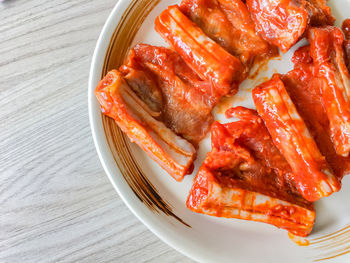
(100, 141)
(95, 119)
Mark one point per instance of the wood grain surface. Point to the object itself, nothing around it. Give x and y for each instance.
(56, 203)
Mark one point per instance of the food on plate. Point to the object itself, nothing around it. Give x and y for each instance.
(312, 174)
(183, 99)
(161, 104)
(138, 121)
(283, 22)
(208, 59)
(326, 49)
(228, 22)
(346, 31)
(304, 89)
(245, 176)
(272, 163)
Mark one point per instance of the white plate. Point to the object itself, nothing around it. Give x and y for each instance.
(159, 202)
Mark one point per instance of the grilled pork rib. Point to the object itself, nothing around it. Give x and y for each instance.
(245, 176)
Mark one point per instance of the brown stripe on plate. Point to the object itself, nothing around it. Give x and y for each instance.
(328, 246)
(332, 245)
(119, 144)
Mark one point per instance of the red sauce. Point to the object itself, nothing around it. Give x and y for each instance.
(223, 70)
(245, 156)
(186, 101)
(346, 28)
(229, 23)
(283, 22)
(244, 159)
(227, 103)
(304, 90)
(273, 21)
(300, 241)
(261, 66)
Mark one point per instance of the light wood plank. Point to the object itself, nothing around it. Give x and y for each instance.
(56, 203)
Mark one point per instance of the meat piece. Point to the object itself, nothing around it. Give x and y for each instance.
(209, 60)
(228, 22)
(245, 176)
(305, 91)
(185, 102)
(326, 48)
(144, 85)
(311, 173)
(283, 22)
(346, 31)
(346, 28)
(136, 120)
(319, 13)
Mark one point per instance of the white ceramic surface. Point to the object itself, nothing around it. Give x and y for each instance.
(211, 239)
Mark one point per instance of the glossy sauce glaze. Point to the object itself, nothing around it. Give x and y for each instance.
(134, 118)
(311, 173)
(228, 22)
(208, 59)
(245, 161)
(267, 170)
(305, 91)
(326, 49)
(346, 28)
(346, 31)
(283, 22)
(184, 101)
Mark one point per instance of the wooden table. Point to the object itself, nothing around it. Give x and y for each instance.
(56, 201)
